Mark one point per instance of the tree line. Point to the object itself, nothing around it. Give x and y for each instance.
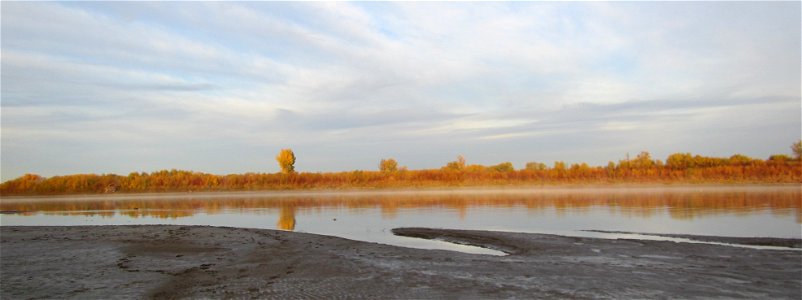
(677, 168)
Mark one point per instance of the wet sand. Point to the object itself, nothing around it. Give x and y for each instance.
(90, 262)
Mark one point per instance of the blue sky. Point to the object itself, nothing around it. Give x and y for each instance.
(117, 87)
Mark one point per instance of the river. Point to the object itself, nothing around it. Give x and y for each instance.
(740, 211)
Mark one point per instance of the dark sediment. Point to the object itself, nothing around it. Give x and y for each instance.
(211, 262)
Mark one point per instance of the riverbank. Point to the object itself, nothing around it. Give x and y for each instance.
(214, 262)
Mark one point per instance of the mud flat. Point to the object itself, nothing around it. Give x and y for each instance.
(91, 262)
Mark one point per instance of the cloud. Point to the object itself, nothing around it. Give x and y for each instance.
(221, 84)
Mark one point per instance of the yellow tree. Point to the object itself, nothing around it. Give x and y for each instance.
(503, 167)
(457, 165)
(643, 160)
(535, 166)
(388, 165)
(286, 160)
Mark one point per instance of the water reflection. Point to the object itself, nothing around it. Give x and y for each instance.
(677, 203)
(369, 216)
(286, 218)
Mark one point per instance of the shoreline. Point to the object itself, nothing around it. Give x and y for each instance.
(747, 241)
(466, 237)
(163, 261)
(556, 189)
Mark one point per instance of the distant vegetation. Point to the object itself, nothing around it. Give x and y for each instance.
(286, 160)
(677, 168)
(388, 165)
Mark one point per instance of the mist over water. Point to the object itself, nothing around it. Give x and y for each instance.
(742, 211)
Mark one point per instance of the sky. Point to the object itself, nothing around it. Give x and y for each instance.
(221, 87)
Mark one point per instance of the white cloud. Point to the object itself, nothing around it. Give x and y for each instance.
(214, 78)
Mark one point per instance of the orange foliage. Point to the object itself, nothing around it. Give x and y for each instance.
(678, 168)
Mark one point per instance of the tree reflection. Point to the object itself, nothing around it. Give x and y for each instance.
(679, 204)
(286, 218)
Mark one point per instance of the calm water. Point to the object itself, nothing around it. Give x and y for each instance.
(767, 211)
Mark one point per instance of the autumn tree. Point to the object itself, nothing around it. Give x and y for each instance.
(779, 158)
(643, 161)
(559, 168)
(739, 160)
(286, 160)
(535, 166)
(680, 161)
(457, 165)
(25, 184)
(797, 148)
(503, 167)
(610, 169)
(388, 165)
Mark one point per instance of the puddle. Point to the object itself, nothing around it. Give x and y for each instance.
(446, 245)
